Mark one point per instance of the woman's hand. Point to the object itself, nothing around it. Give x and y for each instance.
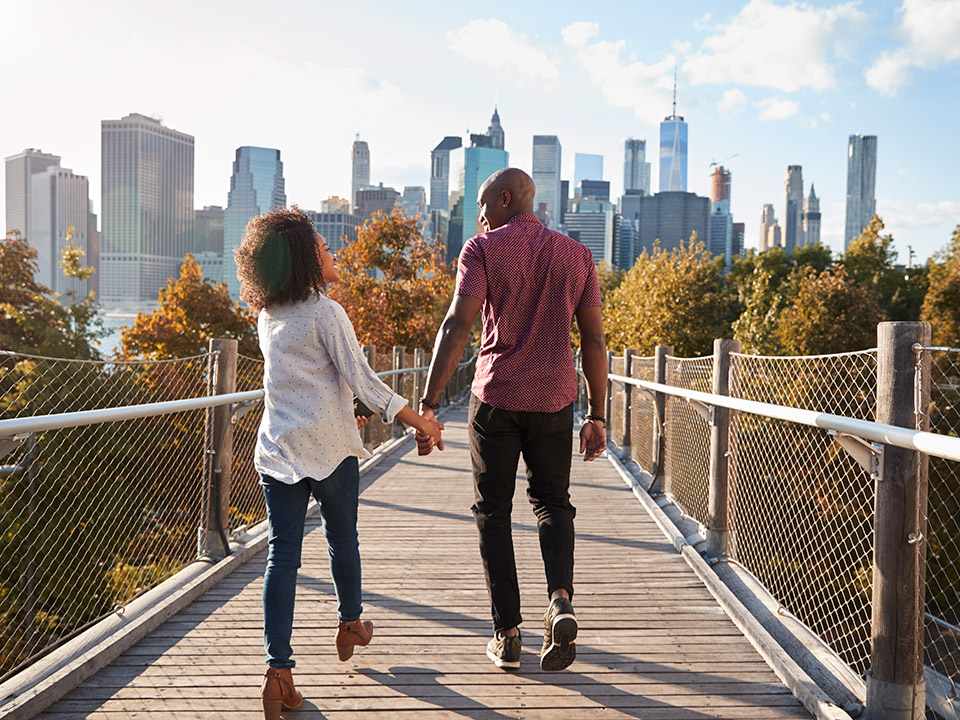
(362, 422)
(429, 435)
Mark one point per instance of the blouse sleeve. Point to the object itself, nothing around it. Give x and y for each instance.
(336, 333)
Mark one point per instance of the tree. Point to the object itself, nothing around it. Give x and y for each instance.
(756, 327)
(394, 283)
(830, 313)
(941, 304)
(31, 319)
(870, 262)
(192, 310)
(674, 298)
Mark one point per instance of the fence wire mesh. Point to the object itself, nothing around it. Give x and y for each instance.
(92, 516)
(802, 508)
(688, 437)
(942, 644)
(247, 507)
(643, 414)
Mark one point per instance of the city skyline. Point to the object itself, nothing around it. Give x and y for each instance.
(746, 87)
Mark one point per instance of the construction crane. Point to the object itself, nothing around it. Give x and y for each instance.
(721, 162)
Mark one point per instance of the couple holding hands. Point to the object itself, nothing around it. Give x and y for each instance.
(529, 283)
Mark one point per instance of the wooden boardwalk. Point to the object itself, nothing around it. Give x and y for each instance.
(653, 643)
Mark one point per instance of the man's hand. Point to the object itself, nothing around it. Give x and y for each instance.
(425, 443)
(593, 440)
(362, 422)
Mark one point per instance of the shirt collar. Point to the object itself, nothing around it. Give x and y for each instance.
(524, 218)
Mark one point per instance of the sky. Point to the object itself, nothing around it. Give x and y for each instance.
(762, 84)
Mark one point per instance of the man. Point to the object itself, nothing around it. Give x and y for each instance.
(530, 282)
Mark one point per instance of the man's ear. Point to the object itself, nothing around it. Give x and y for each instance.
(505, 198)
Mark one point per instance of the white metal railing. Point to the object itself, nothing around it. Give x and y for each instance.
(935, 444)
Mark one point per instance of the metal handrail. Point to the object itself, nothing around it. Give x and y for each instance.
(15, 427)
(926, 442)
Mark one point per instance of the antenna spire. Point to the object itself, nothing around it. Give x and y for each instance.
(675, 90)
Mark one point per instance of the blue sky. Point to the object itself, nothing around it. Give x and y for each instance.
(771, 83)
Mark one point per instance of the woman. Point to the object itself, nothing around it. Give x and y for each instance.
(308, 442)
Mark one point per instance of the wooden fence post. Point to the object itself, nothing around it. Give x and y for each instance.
(895, 681)
(419, 378)
(370, 352)
(721, 539)
(624, 441)
(396, 428)
(658, 464)
(608, 402)
(212, 539)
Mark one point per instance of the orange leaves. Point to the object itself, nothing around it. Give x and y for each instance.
(192, 310)
(394, 283)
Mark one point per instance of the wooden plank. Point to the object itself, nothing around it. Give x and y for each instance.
(653, 642)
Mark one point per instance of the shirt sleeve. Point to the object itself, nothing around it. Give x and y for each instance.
(340, 340)
(590, 297)
(471, 273)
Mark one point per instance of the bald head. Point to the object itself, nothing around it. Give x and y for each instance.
(506, 193)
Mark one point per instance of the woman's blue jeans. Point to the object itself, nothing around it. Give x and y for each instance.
(338, 496)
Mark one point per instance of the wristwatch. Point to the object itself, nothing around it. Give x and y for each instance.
(432, 406)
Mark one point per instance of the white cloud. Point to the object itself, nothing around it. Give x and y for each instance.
(775, 108)
(825, 116)
(784, 47)
(929, 29)
(899, 215)
(579, 33)
(495, 43)
(703, 22)
(682, 47)
(732, 101)
(645, 88)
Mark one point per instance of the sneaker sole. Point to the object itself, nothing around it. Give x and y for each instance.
(501, 663)
(563, 651)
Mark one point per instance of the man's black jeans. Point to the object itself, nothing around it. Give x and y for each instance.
(497, 439)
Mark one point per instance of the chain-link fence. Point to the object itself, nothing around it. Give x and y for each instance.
(687, 432)
(801, 507)
(93, 516)
(943, 522)
(643, 413)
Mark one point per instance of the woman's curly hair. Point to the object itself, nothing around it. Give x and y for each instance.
(278, 260)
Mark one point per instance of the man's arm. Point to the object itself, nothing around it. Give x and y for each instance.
(593, 351)
(447, 352)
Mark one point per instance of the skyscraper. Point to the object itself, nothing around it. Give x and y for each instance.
(20, 168)
(147, 208)
(739, 231)
(208, 230)
(469, 167)
(256, 187)
(360, 177)
(546, 176)
(719, 184)
(495, 131)
(636, 169)
(673, 150)
(811, 218)
(60, 201)
(375, 198)
(861, 185)
(591, 221)
(793, 208)
(440, 172)
(767, 220)
(586, 167)
(670, 217)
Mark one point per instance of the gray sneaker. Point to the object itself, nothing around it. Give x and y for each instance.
(505, 651)
(559, 634)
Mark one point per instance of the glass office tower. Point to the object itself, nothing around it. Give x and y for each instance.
(546, 176)
(256, 187)
(673, 154)
(861, 185)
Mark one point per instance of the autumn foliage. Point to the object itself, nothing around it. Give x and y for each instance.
(192, 309)
(676, 297)
(394, 283)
